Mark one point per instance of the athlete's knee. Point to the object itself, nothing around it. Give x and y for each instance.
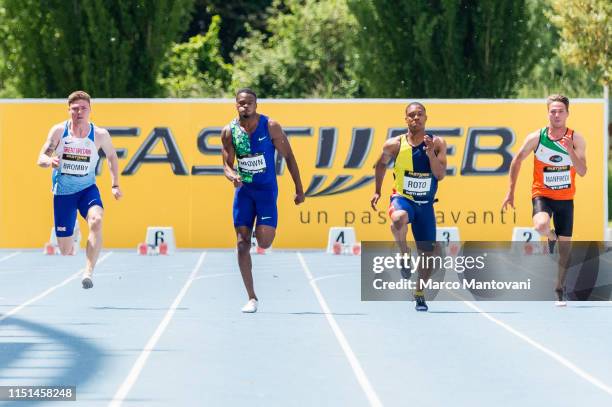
(243, 243)
(398, 214)
(398, 222)
(264, 243)
(95, 222)
(243, 246)
(66, 248)
(541, 225)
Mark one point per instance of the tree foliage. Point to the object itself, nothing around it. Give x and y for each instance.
(551, 74)
(111, 48)
(7, 81)
(235, 15)
(196, 68)
(586, 29)
(310, 52)
(443, 48)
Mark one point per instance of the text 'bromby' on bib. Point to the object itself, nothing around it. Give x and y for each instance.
(252, 164)
(417, 184)
(557, 177)
(76, 161)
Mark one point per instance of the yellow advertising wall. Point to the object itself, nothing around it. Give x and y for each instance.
(199, 206)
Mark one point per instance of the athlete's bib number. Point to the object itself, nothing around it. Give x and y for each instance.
(557, 177)
(75, 164)
(417, 184)
(254, 164)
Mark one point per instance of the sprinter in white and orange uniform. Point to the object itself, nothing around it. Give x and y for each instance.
(559, 154)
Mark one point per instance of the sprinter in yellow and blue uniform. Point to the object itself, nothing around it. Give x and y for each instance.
(420, 162)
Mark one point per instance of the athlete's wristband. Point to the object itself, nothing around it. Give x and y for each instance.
(115, 186)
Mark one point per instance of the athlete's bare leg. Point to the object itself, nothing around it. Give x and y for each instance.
(541, 223)
(425, 272)
(399, 228)
(66, 245)
(564, 257)
(95, 214)
(243, 237)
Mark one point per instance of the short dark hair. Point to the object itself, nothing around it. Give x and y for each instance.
(416, 104)
(558, 98)
(248, 91)
(78, 95)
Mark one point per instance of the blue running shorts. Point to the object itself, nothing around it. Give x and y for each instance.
(252, 203)
(65, 208)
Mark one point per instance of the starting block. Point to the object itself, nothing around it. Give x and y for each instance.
(341, 240)
(354, 249)
(528, 241)
(52, 248)
(145, 249)
(159, 240)
(449, 236)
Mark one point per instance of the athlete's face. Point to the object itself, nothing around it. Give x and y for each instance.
(246, 105)
(79, 111)
(557, 114)
(415, 118)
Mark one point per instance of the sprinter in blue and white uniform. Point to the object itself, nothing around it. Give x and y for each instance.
(250, 141)
(71, 150)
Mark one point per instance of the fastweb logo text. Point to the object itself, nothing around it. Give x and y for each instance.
(326, 180)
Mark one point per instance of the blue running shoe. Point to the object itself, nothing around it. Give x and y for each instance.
(421, 305)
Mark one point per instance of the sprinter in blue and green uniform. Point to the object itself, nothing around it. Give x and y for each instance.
(249, 143)
(420, 162)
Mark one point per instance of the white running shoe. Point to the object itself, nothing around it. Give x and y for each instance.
(560, 298)
(250, 307)
(86, 281)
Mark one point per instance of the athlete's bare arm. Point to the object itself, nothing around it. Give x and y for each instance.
(229, 155)
(281, 143)
(529, 146)
(576, 148)
(46, 158)
(436, 152)
(103, 138)
(390, 151)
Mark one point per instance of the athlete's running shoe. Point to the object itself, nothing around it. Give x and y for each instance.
(87, 281)
(560, 300)
(250, 307)
(421, 305)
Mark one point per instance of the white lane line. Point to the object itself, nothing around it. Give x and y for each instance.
(131, 378)
(331, 276)
(363, 380)
(8, 256)
(216, 275)
(48, 291)
(563, 361)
